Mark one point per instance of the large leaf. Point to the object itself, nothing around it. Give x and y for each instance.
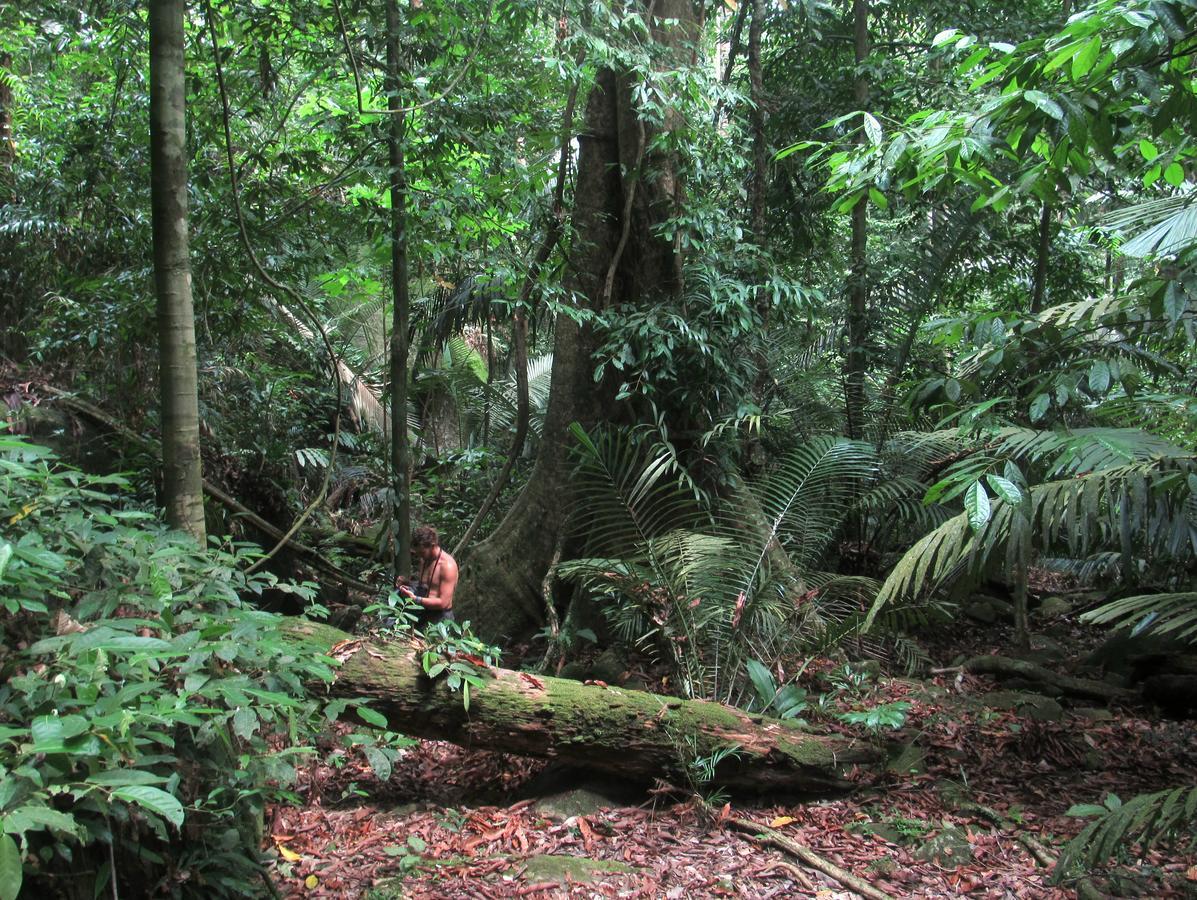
(11, 870)
(155, 800)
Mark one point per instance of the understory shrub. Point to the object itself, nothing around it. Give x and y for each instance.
(147, 710)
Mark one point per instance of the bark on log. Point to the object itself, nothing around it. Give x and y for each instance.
(632, 734)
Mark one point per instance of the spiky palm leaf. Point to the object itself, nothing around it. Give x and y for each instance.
(1137, 506)
(503, 399)
(1174, 613)
(725, 586)
(1147, 820)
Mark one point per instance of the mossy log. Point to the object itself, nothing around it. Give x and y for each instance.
(633, 734)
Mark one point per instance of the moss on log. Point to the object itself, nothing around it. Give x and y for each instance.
(633, 734)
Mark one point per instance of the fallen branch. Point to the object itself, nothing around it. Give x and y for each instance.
(765, 835)
(87, 410)
(1005, 667)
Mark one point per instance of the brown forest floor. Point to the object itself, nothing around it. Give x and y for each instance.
(447, 824)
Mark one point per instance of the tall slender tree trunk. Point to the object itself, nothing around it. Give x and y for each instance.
(617, 257)
(858, 284)
(400, 447)
(7, 148)
(181, 468)
(760, 152)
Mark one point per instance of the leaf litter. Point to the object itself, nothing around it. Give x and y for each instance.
(447, 823)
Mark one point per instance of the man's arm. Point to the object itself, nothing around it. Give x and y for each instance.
(440, 594)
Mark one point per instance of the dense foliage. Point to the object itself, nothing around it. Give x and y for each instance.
(1015, 201)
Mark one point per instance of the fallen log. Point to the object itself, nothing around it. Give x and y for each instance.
(632, 734)
(1005, 667)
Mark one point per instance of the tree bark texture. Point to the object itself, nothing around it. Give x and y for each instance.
(632, 734)
(181, 467)
(400, 448)
(858, 285)
(624, 189)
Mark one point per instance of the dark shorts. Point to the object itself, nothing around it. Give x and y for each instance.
(432, 616)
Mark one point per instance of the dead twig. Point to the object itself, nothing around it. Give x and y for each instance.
(767, 835)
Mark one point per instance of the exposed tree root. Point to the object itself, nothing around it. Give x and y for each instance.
(765, 835)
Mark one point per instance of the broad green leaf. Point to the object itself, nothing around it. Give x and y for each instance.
(153, 799)
(379, 762)
(762, 679)
(951, 388)
(36, 818)
(11, 870)
(1174, 174)
(872, 129)
(945, 36)
(123, 777)
(47, 735)
(1176, 300)
(1039, 407)
(976, 504)
(1086, 809)
(1099, 376)
(1086, 57)
(1045, 103)
(1148, 150)
(245, 723)
(1005, 488)
(372, 717)
(5, 556)
(878, 198)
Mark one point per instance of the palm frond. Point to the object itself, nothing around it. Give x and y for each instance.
(1147, 819)
(627, 501)
(1161, 226)
(1136, 506)
(503, 397)
(1174, 614)
(807, 496)
(1082, 449)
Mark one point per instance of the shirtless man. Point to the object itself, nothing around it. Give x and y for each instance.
(436, 577)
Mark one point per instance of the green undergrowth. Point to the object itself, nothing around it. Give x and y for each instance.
(147, 710)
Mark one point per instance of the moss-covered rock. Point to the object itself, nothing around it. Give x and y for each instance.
(579, 802)
(554, 867)
(949, 849)
(1033, 706)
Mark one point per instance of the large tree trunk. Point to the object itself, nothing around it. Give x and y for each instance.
(182, 478)
(624, 189)
(632, 734)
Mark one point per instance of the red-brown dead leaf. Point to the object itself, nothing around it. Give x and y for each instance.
(532, 680)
